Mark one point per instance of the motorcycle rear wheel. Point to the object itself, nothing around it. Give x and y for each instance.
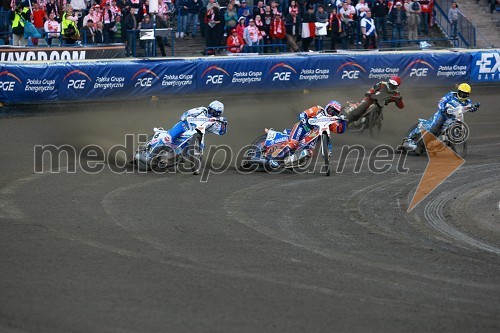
(159, 160)
(251, 151)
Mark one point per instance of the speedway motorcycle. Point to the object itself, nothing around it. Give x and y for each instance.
(256, 157)
(158, 153)
(454, 134)
(372, 118)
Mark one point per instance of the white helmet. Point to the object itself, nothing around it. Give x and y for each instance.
(215, 109)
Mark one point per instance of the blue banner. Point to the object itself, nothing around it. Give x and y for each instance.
(118, 79)
(485, 66)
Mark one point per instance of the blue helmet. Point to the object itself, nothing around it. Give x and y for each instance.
(333, 108)
(215, 109)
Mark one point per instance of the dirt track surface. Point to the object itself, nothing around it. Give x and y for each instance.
(131, 252)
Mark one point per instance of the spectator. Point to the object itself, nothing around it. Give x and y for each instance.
(215, 28)
(361, 9)
(52, 29)
(413, 13)
(294, 7)
(211, 4)
(193, 9)
(130, 27)
(346, 14)
(369, 31)
(308, 28)
(251, 36)
(274, 8)
(88, 32)
(78, 5)
(321, 17)
(147, 24)
(292, 26)
(182, 17)
(69, 28)
(97, 16)
(231, 18)
(38, 21)
(264, 37)
(99, 32)
(117, 11)
(267, 18)
(17, 17)
(379, 13)
(243, 11)
(453, 14)
(277, 31)
(397, 17)
(426, 7)
(240, 28)
(336, 29)
(260, 9)
(161, 41)
(89, 16)
(235, 43)
(109, 22)
(52, 7)
(117, 30)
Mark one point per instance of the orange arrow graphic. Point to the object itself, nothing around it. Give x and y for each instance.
(442, 164)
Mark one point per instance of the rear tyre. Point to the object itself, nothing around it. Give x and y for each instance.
(162, 157)
(325, 140)
(254, 150)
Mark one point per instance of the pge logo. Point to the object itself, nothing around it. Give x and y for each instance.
(214, 75)
(146, 79)
(9, 85)
(282, 75)
(486, 65)
(351, 73)
(78, 79)
(417, 70)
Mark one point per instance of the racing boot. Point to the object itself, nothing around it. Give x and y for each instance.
(276, 158)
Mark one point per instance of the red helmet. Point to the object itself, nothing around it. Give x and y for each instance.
(394, 82)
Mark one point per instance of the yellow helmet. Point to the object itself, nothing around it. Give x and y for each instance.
(463, 91)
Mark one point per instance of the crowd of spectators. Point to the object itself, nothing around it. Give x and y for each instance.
(303, 25)
(234, 26)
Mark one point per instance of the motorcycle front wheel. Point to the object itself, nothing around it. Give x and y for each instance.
(460, 148)
(196, 154)
(374, 120)
(325, 140)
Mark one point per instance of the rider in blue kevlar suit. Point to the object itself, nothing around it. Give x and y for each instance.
(214, 110)
(446, 107)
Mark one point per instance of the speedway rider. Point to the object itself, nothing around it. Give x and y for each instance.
(302, 128)
(446, 110)
(214, 110)
(389, 88)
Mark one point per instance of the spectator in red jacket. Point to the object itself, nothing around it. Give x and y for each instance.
(39, 17)
(235, 43)
(277, 31)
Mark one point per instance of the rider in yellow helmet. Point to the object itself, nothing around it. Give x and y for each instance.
(446, 109)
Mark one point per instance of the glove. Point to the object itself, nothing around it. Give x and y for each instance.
(303, 118)
(222, 120)
(182, 118)
(474, 107)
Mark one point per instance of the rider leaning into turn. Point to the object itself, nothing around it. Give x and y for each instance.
(214, 110)
(389, 88)
(446, 110)
(302, 128)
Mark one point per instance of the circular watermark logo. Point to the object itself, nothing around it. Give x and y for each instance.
(458, 132)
